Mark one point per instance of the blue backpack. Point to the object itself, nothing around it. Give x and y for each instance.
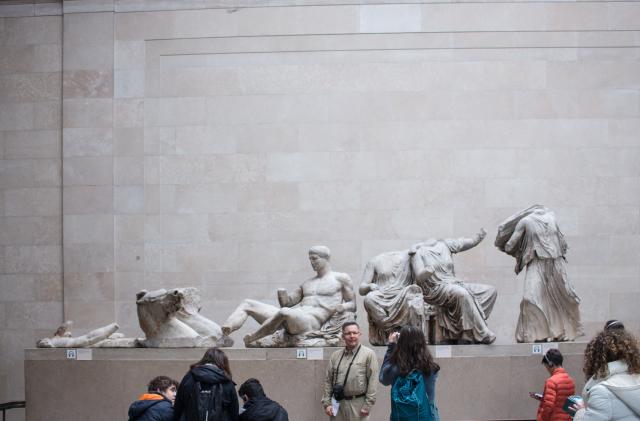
(409, 400)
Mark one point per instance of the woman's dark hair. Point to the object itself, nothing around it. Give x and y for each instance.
(608, 346)
(553, 357)
(217, 357)
(411, 352)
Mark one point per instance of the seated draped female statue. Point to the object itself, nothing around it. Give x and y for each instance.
(463, 308)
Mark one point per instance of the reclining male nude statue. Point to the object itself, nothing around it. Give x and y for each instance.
(311, 315)
(63, 338)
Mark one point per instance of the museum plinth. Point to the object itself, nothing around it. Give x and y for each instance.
(476, 382)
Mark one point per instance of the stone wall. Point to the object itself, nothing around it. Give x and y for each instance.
(30, 186)
(210, 144)
(500, 376)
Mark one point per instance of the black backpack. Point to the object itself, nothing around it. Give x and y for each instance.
(207, 399)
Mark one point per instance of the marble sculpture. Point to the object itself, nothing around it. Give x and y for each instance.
(169, 319)
(391, 297)
(311, 315)
(64, 339)
(549, 310)
(463, 308)
(172, 319)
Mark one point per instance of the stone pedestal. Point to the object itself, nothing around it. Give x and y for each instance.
(476, 382)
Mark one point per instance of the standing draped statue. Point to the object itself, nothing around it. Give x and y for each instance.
(549, 310)
(463, 308)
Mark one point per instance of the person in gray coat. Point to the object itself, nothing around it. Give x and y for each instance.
(612, 366)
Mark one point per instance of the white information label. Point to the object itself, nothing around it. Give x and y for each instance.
(71, 354)
(536, 349)
(84, 354)
(315, 353)
(301, 353)
(443, 351)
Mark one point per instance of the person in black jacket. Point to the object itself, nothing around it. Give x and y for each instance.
(212, 372)
(157, 403)
(257, 407)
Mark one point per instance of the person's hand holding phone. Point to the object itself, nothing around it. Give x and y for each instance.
(536, 396)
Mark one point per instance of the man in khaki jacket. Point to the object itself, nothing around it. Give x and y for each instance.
(359, 365)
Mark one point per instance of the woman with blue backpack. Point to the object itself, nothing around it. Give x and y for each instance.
(409, 367)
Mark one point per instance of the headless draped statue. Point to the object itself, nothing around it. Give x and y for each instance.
(549, 310)
(391, 297)
(463, 308)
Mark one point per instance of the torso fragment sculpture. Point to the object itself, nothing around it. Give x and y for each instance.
(463, 308)
(549, 310)
(312, 315)
(169, 318)
(391, 297)
(172, 319)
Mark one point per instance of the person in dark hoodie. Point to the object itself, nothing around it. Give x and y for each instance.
(207, 392)
(257, 407)
(157, 403)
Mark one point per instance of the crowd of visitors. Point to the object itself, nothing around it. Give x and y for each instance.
(207, 391)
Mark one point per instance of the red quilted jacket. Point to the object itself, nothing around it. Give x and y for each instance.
(557, 389)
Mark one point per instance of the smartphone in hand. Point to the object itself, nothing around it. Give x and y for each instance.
(536, 396)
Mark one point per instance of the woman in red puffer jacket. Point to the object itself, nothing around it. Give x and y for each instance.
(557, 389)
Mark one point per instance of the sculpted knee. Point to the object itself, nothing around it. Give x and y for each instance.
(460, 293)
(285, 312)
(369, 301)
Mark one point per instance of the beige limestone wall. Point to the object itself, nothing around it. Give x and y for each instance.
(210, 144)
(497, 382)
(368, 127)
(30, 188)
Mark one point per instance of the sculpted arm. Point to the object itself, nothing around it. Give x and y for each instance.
(367, 285)
(518, 232)
(289, 300)
(348, 296)
(421, 271)
(467, 243)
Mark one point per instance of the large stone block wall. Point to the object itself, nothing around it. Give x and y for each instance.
(204, 144)
(502, 378)
(30, 187)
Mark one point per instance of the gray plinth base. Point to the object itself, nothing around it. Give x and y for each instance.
(477, 382)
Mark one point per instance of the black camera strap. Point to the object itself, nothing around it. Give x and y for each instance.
(337, 370)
